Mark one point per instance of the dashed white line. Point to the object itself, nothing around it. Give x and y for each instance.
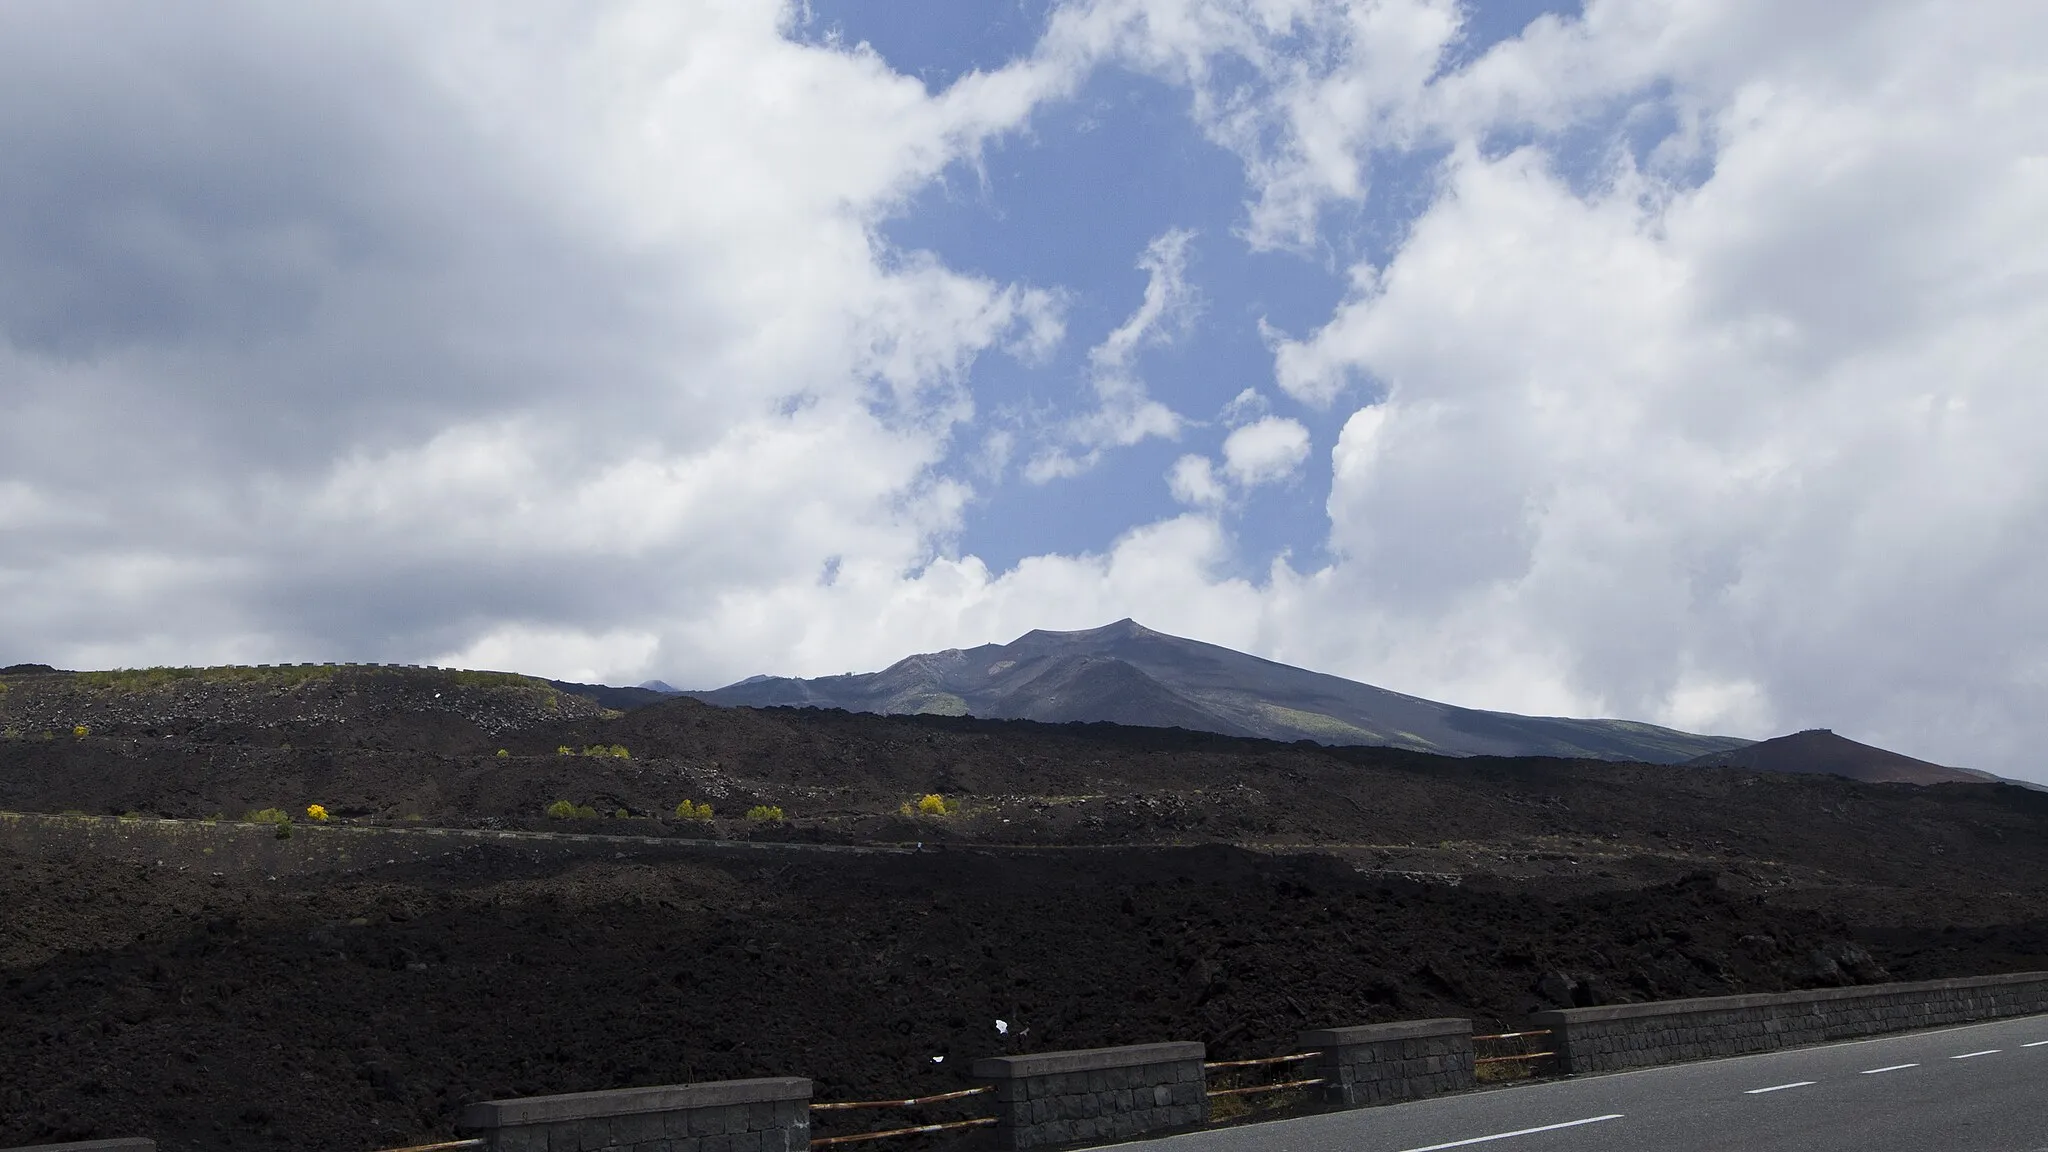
(1888, 1068)
(1985, 1052)
(1779, 1087)
(1516, 1132)
(2035, 1044)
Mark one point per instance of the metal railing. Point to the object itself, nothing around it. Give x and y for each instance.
(1510, 1060)
(907, 1102)
(1263, 1061)
(443, 1146)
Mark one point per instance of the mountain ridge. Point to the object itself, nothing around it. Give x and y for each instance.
(1126, 673)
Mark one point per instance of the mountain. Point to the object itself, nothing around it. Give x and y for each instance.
(1125, 673)
(1820, 750)
(622, 699)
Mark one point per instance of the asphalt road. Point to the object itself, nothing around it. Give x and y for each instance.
(1980, 1088)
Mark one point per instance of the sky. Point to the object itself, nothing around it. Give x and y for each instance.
(1675, 360)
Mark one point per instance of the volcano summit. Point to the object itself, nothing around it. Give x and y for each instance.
(1125, 673)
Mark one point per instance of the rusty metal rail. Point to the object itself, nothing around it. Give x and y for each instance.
(1261, 1060)
(978, 1122)
(1511, 1059)
(907, 1103)
(443, 1146)
(1255, 1088)
(1527, 1062)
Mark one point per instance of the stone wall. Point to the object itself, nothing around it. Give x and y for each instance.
(1383, 1063)
(1669, 1031)
(1095, 1095)
(769, 1115)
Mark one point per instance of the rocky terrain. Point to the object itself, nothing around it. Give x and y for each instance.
(349, 984)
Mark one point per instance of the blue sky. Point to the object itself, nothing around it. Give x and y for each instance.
(1664, 359)
(1072, 202)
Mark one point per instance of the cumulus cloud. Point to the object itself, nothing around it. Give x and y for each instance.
(1748, 450)
(1193, 480)
(1264, 451)
(1125, 413)
(580, 325)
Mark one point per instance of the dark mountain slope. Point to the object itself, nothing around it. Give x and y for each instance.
(1129, 674)
(1819, 750)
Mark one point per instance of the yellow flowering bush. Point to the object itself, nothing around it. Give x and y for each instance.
(316, 812)
(933, 804)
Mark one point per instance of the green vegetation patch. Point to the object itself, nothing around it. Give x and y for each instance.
(1316, 723)
(156, 679)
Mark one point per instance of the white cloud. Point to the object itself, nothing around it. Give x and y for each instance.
(1245, 407)
(1265, 450)
(1755, 450)
(1125, 413)
(1192, 480)
(579, 327)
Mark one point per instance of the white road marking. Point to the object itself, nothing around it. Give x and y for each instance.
(1516, 1132)
(2035, 1044)
(1779, 1087)
(1890, 1068)
(1986, 1052)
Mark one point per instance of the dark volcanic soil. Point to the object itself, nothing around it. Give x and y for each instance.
(214, 987)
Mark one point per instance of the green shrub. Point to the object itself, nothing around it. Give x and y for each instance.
(502, 754)
(80, 731)
(689, 810)
(932, 804)
(608, 751)
(621, 814)
(564, 810)
(267, 816)
(565, 750)
(765, 814)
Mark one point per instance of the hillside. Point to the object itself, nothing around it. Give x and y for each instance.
(1125, 673)
(1820, 750)
(349, 984)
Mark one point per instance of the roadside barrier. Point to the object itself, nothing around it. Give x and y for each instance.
(1263, 1062)
(1099, 1095)
(1507, 1055)
(911, 1102)
(1617, 1036)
